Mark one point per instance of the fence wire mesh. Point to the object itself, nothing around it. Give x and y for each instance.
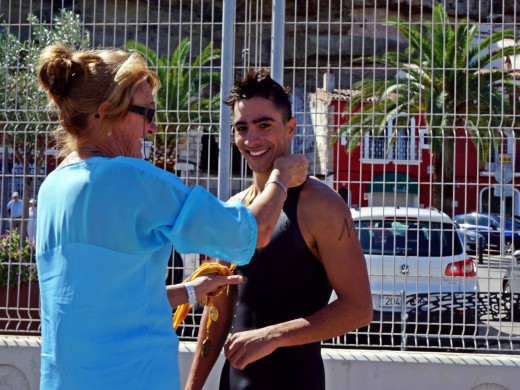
(408, 109)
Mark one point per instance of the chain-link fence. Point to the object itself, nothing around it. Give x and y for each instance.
(405, 108)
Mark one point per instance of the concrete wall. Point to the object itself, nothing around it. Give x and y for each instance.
(345, 369)
(19, 362)
(322, 117)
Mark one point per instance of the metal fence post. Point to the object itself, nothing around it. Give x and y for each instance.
(4, 195)
(404, 318)
(277, 41)
(228, 39)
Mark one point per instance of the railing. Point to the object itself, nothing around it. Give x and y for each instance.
(321, 39)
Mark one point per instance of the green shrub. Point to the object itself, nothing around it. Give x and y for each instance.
(17, 262)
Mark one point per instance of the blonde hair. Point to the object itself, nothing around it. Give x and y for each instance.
(77, 83)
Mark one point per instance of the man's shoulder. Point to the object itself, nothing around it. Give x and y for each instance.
(320, 200)
(238, 196)
(315, 190)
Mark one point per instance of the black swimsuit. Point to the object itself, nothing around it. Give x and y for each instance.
(282, 282)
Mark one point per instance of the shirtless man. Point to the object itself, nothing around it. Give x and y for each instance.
(283, 312)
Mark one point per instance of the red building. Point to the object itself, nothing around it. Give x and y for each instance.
(379, 172)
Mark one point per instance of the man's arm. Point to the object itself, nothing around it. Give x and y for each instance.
(327, 226)
(201, 366)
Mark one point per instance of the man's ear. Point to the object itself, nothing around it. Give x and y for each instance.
(291, 128)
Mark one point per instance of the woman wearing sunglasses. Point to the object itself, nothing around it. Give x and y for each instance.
(107, 222)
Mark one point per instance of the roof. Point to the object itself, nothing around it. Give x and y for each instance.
(429, 214)
(338, 94)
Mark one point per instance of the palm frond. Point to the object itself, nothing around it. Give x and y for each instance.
(414, 35)
(441, 33)
(180, 100)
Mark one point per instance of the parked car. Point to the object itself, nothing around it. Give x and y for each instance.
(489, 226)
(473, 241)
(511, 287)
(417, 264)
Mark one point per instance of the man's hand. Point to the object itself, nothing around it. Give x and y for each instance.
(247, 347)
(292, 170)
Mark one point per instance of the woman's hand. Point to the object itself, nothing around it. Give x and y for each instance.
(203, 285)
(292, 170)
(207, 283)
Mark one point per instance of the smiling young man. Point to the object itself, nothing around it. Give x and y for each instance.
(283, 311)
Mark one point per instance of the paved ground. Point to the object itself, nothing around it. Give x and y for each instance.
(500, 333)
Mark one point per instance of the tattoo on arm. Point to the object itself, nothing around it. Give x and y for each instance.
(346, 228)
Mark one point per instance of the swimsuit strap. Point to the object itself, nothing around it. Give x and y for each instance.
(248, 201)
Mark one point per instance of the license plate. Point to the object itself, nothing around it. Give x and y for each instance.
(389, 300)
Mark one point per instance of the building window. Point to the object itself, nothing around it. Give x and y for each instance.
(392, 144)
(504, 152)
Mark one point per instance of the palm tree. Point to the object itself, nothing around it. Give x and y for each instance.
(442, 76)
(181, 101)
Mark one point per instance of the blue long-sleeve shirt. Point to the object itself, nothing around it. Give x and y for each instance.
(105, 230)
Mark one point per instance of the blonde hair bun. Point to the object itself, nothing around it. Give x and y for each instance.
(56, 69)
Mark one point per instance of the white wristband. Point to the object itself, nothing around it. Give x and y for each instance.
(280, 184)
(192, 297)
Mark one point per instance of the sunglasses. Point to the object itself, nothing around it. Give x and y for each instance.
(148, 113)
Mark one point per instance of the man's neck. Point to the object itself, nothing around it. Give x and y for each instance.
(259, 180)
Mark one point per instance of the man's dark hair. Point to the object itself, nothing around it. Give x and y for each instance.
(258, 83)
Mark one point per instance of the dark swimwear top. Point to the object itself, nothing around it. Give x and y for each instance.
(283, 281)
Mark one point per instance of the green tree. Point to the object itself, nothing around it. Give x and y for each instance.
(442, 76)
(182, 101)
(24, 123)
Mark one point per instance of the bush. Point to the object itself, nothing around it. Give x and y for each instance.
(17, 263)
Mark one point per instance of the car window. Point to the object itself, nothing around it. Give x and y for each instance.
(483, 221)
(408, 238)
(471, 220)
(510, 225)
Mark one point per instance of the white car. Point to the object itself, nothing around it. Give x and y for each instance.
(417, 264)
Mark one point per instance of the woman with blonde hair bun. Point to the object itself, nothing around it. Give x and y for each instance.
(107, 221)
